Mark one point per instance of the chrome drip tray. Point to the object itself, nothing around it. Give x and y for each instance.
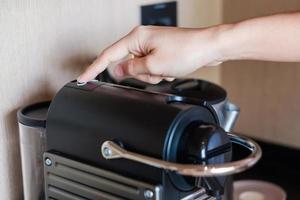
(69, 180)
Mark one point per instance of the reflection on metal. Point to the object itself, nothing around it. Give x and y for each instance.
(32, 146)
(199, 195)
(227, 114)
(115, 151)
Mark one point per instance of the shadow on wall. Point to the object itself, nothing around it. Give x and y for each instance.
(77, 63)
(13, 142)
(44, 92)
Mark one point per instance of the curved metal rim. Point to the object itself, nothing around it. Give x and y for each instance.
(111, 150)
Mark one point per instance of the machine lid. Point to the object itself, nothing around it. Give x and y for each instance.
(34, 115)
(200, 89)
(192, 88)
(188, 88)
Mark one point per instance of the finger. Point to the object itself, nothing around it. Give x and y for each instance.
(113, 67)
(149, 78)
(213, 64)
(113, 53)
(133, 67)
(170, 79)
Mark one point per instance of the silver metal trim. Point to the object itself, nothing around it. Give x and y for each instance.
(227, 114)
(190, 169)
(194, 195)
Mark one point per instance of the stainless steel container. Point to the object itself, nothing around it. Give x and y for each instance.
(32, 124)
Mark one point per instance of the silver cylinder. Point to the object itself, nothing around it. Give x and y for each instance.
(31, 121)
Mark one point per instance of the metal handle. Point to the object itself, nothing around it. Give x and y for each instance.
(111, 150)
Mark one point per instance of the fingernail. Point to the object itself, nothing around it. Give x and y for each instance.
(119, 71)
(81, 79)
(80, 83)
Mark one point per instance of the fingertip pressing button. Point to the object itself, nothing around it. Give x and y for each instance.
(81, 83)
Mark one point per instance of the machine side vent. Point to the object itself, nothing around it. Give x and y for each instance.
(66, 179)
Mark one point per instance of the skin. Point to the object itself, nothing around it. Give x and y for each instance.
(169, 52)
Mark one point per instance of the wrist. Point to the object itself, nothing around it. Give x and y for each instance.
(227, 45)
(221, 45)
(236, 42)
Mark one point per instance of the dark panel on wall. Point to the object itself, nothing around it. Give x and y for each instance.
(162, 14)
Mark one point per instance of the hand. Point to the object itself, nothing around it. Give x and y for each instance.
(159, 53)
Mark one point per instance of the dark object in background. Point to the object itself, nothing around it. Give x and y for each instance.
(161, 14)
(279, 165)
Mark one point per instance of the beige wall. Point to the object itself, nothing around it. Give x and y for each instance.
(268, 93)
(47, 43)
(44, 44)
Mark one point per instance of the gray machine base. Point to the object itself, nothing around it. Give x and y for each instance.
(66, 179)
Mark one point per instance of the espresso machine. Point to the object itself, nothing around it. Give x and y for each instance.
(135, 141)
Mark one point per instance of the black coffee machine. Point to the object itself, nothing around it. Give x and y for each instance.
(137, 141)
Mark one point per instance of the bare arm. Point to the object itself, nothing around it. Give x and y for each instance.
(165, 52)
(271, 38)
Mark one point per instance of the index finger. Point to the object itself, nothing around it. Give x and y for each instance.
(115, 52)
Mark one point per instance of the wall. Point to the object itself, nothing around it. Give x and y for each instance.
(45, 44)
(268, 93)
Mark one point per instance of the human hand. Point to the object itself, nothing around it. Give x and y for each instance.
(159, 53)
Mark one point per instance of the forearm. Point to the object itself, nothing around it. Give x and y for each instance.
(165, 53)
(272, 38)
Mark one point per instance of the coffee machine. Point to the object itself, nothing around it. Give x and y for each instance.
(132, 140)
